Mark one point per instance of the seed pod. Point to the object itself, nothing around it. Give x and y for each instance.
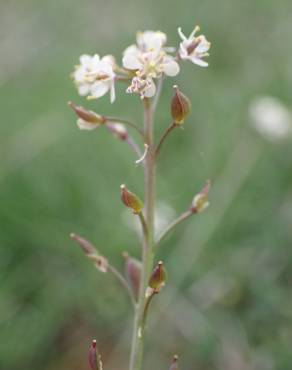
(133, 273)
(180, 106)
(131, 200)
(174, 364)
(85, 245)
(94, 358)
(87, 119)
(157, 278)
(200, 201)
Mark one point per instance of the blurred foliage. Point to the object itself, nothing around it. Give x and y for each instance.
(228, 301)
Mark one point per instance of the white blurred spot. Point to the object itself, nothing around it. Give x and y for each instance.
(163, 216)
(270, 118)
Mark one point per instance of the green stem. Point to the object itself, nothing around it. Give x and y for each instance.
(123, 282)
(148, 240)
(164, 136)
(176, 222)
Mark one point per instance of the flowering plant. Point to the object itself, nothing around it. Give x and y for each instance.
(144, 67)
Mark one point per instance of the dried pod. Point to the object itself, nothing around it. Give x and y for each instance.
(87, 119)
(131, 200)
(94, 358)
(180, 106)
(200, 201)
(133, 269)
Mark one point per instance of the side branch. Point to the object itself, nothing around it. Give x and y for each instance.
(101, 263)
(175, 223)
(163, 137)
(144, 226)
(123, 282)
(122, 134)
(127, 123)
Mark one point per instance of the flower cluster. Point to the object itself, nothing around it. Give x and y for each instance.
(142, 64)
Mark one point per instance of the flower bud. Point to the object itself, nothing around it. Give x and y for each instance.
(157, 278)
(200, 201)
(133, 273)
(90, 251)
(118, 130)
(131, 200)
(180, 106)
(174, 364)
(87, 119)
(85, 245)
(94, 358)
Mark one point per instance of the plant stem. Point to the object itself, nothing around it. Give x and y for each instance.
(134, 146)
(123, 282)
(176, 222)
(148, 240)
(127, 123)
(143, 224)
(164, 136)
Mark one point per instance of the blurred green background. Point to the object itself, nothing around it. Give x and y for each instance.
(227, 304)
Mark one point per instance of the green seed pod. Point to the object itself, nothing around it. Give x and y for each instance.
(158, 277)
(131, 200)
(201, 201)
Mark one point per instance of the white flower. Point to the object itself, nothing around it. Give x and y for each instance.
(95, 76)
(270, 117)
(150, 61)
(151, 64)
(194, 48)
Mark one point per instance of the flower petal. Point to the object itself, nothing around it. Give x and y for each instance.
(83, 89)
(99, 89)
(130, 61)
(203, 46)
(198, 61)
(151, 40)
(85, 59)
(84, 125)
(171, 68)
(112, 93)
